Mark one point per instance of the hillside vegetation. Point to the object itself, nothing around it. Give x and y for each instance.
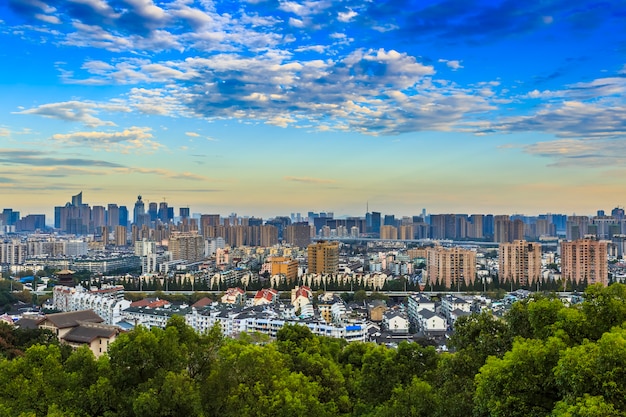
(543, 359)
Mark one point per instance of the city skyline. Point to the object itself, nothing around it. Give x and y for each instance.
(271, 107)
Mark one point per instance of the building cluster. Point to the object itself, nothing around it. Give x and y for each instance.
(265, 312)
(443, 250)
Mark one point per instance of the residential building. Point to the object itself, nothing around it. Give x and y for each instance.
(451, 267)
(585, 261)
(186, 245)
(520, 262)
(323, 257)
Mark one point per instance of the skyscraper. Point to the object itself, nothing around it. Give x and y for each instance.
(138, 212)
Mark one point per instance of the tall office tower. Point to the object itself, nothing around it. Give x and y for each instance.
(9, 217)
(618, 213)
(298, 234)
(98, 217)
(207, 223)
(153, 211)
(77, 200)
(162, 214)
(183, 212)
(585, 260)
(437, 226)
(31, 223)
(389, 220)
(138, 212)
(576, 227)
(120, 236)
(520, 262)
(323, 257)
(388, 232)
(123, 219)
(406, 232)
(451, 267)
(269, 235)
(376, 222)
(113, 216)
(255, 221)
(475, 228)
(186, 245)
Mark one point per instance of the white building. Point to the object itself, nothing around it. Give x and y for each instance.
(108, 303)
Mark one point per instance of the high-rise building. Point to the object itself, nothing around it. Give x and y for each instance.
(123, 219)
(388, 232)
(585, 261)
(323, 257)
(207, 224)
(576, 227)
(475, 228)
(113, 216)
(138, 212)
(376, 223)
(298, 234)
(183, 212)
(520, 262)
(451, 267)
(98, 217)
(186, 245)
(120, 236)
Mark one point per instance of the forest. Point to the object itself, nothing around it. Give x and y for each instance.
(542, 358)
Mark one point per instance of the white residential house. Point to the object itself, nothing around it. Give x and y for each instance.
(430, 321)
(396, 322)
(449, 303)
(417, 302)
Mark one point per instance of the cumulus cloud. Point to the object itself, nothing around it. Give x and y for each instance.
(70, 111)
(129, 140)
(452, 64)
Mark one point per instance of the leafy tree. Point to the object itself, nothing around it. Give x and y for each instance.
(596, 369)
(587, 406)
(521, 383)
(417, 399)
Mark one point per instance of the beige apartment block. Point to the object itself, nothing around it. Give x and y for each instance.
(585, 260)
(451, 266)
(520, 262)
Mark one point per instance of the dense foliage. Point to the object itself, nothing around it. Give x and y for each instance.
(543, 359)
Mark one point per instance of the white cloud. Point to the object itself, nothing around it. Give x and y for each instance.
(126, 141)
(71, 111)
(347, 16)
(48, 18)
(452, 64)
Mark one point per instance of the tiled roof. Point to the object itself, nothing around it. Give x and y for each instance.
(71, 318)
(87, 334)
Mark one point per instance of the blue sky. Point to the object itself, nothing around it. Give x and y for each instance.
(271, 107)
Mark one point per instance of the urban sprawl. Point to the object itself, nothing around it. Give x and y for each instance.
(375, 277)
